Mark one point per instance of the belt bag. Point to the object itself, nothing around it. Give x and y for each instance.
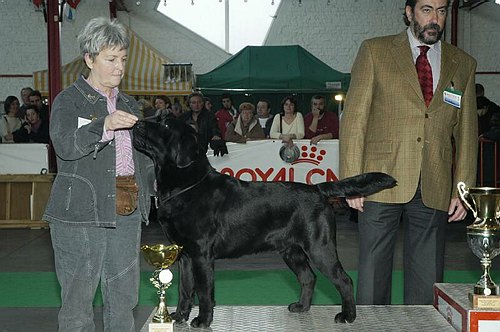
(126, 195)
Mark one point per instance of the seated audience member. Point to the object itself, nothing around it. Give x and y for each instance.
(162, 105)
(485, 110)
(25, 97)
(146, 107)
(226, 115)
(264, 115)
(493, 133)
(34, 129)
(204, 121)
(320, 124)
(247, 126)
(9, 122)
(208, 103)
(289, 124)
(486, 170)
(37, 101)
(176, 110)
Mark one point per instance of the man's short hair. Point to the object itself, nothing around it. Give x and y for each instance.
(412, 4)
(479, 89)
(36, 93)
(268, 103)
(194, 94)
(226, 96)
(317, 97)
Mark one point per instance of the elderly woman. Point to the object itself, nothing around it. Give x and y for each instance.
(102, 189)
(247, 126)
(289, 124)
(9, 122)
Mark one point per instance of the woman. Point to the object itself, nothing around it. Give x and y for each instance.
(247, 127)
(34, 130)
(289, 124)
(101, 192)
(9, 122)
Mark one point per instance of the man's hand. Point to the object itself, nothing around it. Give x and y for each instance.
(456, 211)
(119, 120)
(356, 203)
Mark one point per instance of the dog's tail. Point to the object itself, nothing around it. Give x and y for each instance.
(359, 185)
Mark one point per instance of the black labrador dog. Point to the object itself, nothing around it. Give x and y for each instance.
(213, 216)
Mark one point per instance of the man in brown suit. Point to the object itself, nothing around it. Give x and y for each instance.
(391, 124)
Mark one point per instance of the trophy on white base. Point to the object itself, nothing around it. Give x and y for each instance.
(161, 257)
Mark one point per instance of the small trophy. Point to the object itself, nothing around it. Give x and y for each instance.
(161, 257)
(483, 236)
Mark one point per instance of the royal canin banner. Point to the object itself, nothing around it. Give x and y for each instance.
(260, 161)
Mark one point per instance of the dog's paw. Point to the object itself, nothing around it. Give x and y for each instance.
(198, 322)
(343, 317)
(179, 317)
(297, 307)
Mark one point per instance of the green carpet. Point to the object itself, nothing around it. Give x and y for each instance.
(273, 287)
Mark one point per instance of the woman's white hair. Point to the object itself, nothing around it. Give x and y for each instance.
(102, 33)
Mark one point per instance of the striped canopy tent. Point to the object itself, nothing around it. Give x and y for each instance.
(144, 73)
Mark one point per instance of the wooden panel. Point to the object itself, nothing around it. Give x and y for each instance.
(3, 200)
(23, 198)
(41, 193)
(20, 195)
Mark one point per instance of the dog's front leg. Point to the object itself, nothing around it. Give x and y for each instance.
(186, 290)
(203, 272)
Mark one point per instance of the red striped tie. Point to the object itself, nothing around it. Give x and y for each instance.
(424, 72)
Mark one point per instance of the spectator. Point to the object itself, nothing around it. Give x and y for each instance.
(25, 97)
(485, 110)
(176, 110)
(146, 107)
(319, 123)
(9, 122)
(289, 124)
(264, 116)
(247, 127)
(396, 121)
(163, 106)
(36, 100)
(226, 115)
(204, 122)
(34, 129)
(208, 103)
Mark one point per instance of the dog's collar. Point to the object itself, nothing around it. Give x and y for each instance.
(182, 190)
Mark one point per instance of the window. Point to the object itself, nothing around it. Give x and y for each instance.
(249, 20)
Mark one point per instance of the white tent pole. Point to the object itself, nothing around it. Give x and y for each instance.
(226, 32)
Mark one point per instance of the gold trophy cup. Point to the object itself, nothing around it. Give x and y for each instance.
(161, 257)
(483, 236)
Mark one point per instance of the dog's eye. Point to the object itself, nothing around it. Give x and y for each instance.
(166, 126)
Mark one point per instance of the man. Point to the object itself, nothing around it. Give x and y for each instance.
(25, 96)
(485, 110)
(204, 122)
(264, 115)
(35, 99)
(393, 125)
(226, 115)
(320, 124)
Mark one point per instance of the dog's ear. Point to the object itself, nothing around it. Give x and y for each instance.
(187, 151)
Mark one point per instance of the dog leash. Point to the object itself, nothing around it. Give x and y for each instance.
(183, 190)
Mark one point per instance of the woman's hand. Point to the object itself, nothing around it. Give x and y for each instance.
(119, 120)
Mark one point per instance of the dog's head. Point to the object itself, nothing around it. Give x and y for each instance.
(170, 142)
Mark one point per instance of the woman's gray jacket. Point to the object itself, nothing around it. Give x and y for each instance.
(83, 192)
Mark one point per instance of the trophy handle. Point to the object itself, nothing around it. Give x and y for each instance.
(466, 197)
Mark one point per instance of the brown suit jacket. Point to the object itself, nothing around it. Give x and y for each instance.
(386, 126)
